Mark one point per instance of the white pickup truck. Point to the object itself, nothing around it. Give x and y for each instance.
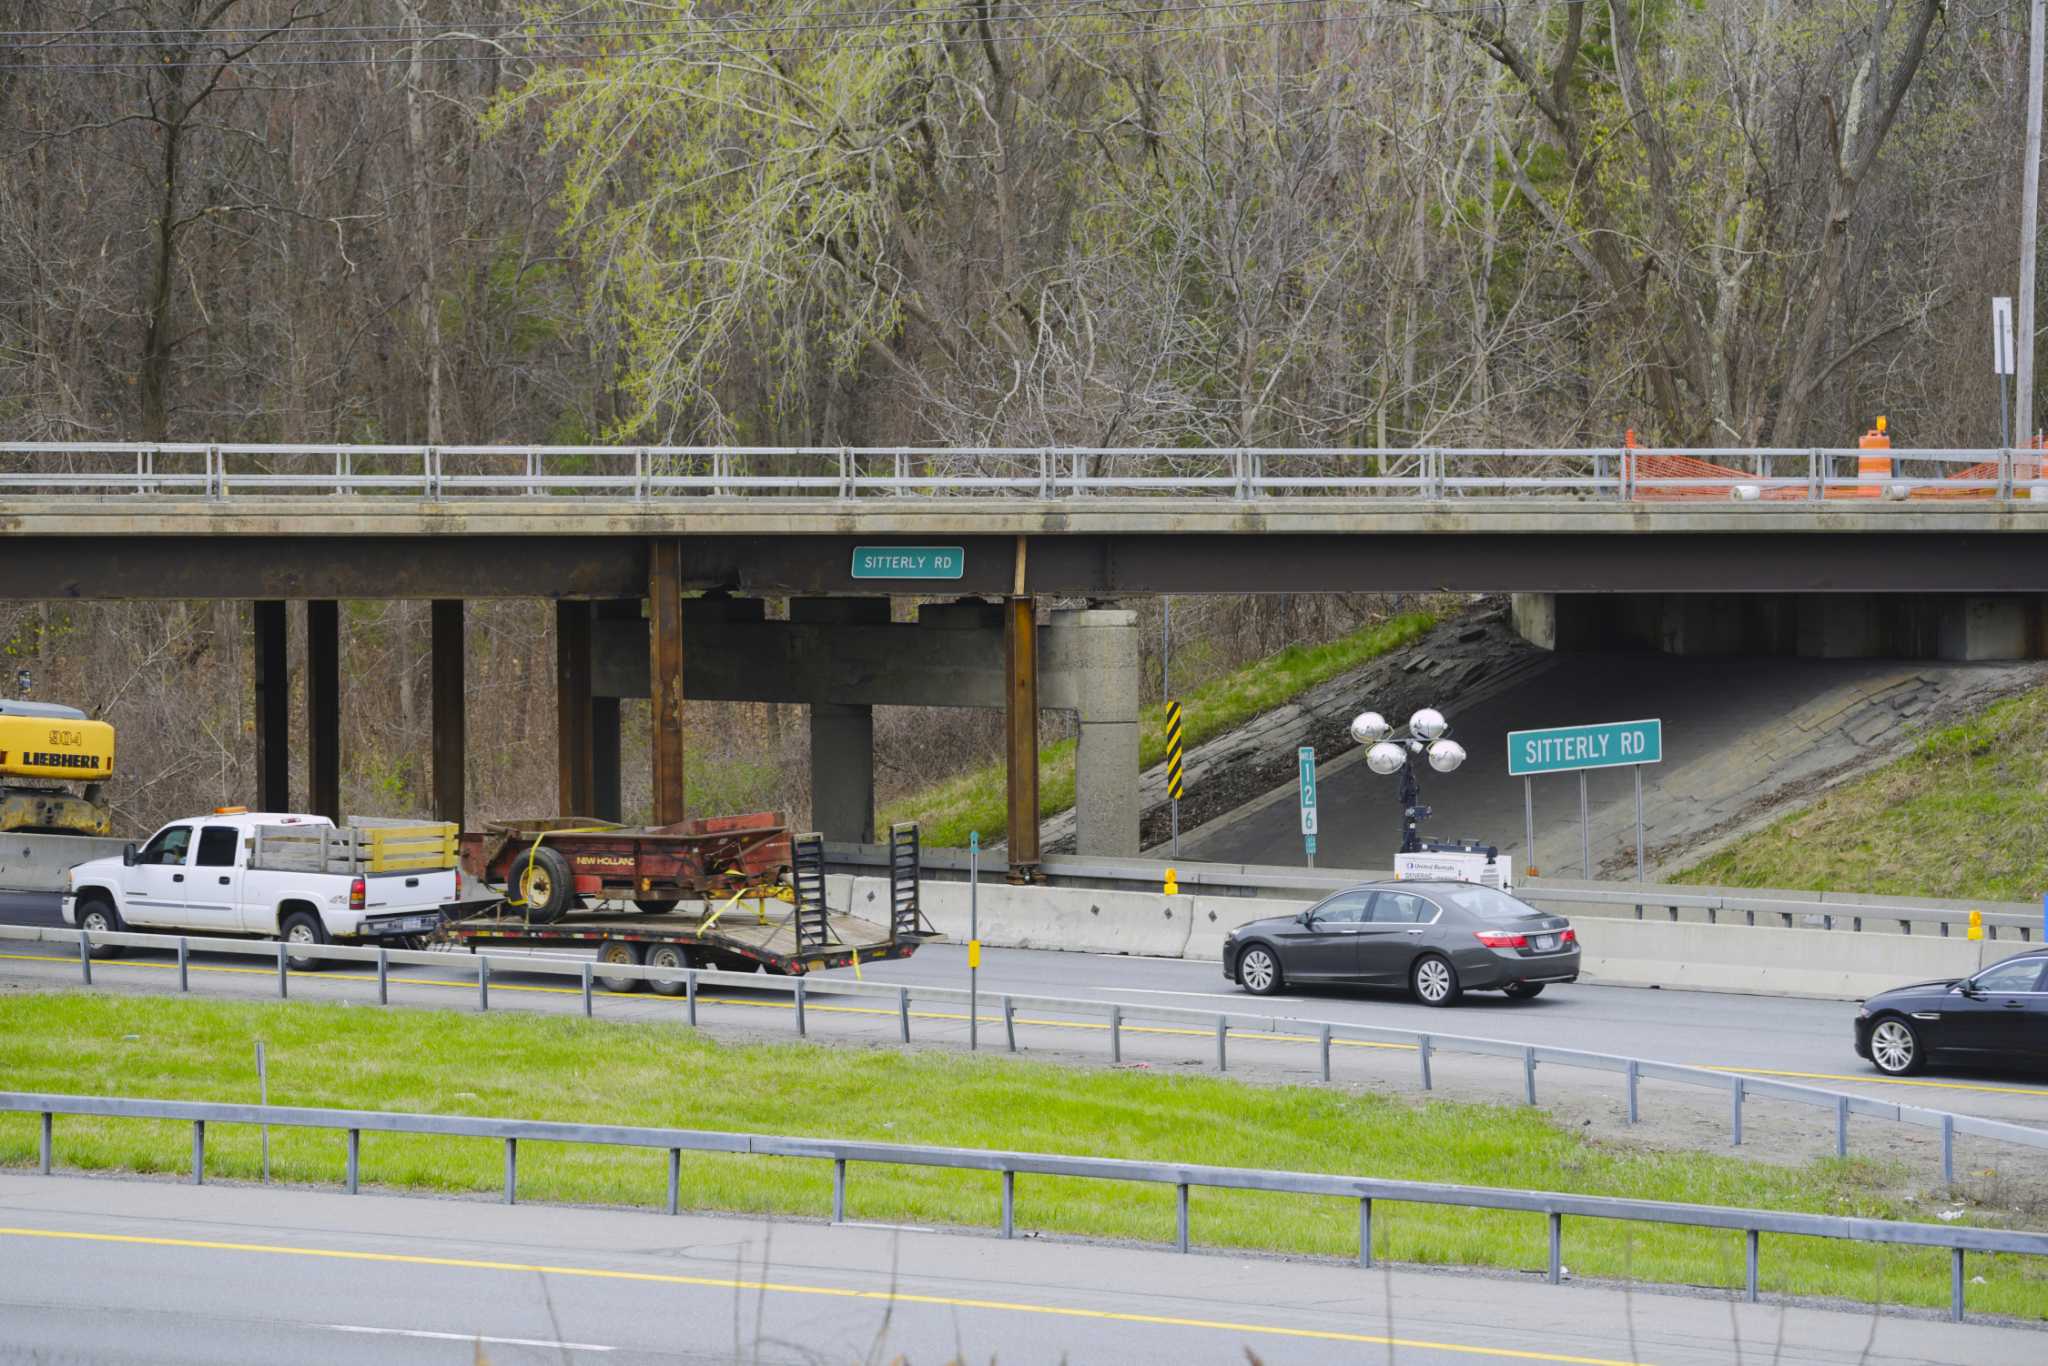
(298, 878)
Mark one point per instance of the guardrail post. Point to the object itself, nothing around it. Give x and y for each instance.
(675, 1180)
(1674, 914)
(1556, 1247)
(838, 1190)
(1323, 1040)
(1009, 1204)
(1529, 1074)
(1955, 1284)
(1750, 1239)
(383, 976)
(1635, 1075)
(1841, 1126)
(184, 955)
(690, 991)
(283, 959)
(85, 956)
(1944, 928)
(1222, 1031)
(511, 1170)
(1010, 1022)
(1180, 1242)
(1639, 912)
(1751, 916)
(1905, 927)
(1856, 923)
(1116, 1033)
(1422, 1052)
(1365, 1231)
(800, 1006)
(1735, 1102)
(1948, 1150)
(483, 982)
(903, 1012)
(587, 1002)
(198, 1152)
(44, 1153)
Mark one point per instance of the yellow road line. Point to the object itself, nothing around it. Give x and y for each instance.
(828, 1291)
(950, 1017)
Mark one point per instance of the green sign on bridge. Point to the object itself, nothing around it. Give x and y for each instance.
(909, 561)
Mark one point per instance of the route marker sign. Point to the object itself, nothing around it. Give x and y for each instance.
(1307, 755)
(909, 561)
(1568, 749)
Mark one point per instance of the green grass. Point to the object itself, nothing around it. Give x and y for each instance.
(568, 1069)
(950, 811)
(1958, 817)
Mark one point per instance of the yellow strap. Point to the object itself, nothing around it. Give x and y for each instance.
(856, 965)
(712, 919)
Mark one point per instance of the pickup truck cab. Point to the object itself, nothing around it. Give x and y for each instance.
(308, 882)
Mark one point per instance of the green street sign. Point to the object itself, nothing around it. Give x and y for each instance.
(909, 561)
(1568, 749)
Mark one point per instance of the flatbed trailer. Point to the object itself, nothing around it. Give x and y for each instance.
(740, 933)
(550, 868)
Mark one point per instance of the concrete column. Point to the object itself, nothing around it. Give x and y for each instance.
(1020, 730)
(450, 713)
(1095, 655)
(665, 676)
(843, 734)
(1989, 628)
(323, 709)
(1535, 618)
(607, 785)
(572, 708)
(273, 709)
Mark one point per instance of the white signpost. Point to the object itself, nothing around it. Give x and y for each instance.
(2002, 361)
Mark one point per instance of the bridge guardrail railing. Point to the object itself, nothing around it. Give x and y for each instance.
(1009, 1164)
(1779, 911)
(224, 470)
(804, 991)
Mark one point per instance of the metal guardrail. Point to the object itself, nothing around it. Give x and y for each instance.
(1145, 875)
(1554, 1206)
(1325, 1034)
(220, 470)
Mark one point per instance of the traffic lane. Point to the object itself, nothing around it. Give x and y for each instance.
(1766, 1035)
(245, 1273)
(30, 908)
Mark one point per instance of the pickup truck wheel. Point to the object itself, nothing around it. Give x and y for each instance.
(303, 927)
(668, 956)
(542, 881)
(620, 952)
(99, 916)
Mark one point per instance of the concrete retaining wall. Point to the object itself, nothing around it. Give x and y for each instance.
(1623, 952)
(36, 863)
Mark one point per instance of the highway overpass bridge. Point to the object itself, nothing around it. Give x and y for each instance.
(625, 539)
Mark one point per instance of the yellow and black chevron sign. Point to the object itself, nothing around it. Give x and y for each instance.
(1174, 787)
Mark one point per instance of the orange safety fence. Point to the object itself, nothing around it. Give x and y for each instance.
(1873, 473)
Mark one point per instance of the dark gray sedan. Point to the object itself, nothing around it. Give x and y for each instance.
(1437, 939)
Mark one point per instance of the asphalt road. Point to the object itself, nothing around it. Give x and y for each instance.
(119, 1271)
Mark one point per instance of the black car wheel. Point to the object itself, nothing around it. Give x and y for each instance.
(1258, 971)
(98, 916)
(1895, 1047)
(303, 928)
(1523, 991)
(1434, 981)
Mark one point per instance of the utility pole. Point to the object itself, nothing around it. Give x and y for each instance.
(2030, 223)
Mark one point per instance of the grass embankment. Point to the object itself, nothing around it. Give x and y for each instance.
(1957, 817)
(950, 811)
(540, 1068)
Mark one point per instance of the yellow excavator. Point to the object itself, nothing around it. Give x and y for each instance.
(46, 742)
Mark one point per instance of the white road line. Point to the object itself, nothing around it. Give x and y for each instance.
(468, 1337)
(1210, 995)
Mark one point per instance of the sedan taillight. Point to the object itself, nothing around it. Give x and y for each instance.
(1501, 939)
(1570, 936)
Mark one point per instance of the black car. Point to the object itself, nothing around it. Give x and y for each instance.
(1998, 1016)
(1437, 939)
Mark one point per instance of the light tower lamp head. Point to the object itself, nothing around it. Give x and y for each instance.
(1386, 757)
(1369, 728)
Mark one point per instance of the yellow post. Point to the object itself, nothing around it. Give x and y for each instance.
(1172, 883)
(1976, 925)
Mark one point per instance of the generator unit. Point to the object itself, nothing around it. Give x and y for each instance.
(1458, 861)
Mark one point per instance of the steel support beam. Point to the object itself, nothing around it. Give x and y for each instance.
(323, 708)
(572, 708)
(273, 708)
(665, 664)
(450, 714)
(1020, 727)
(607, 787)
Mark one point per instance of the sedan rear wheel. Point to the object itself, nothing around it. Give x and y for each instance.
(1434, 981)
(1259, 971)
(1895, 1047)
